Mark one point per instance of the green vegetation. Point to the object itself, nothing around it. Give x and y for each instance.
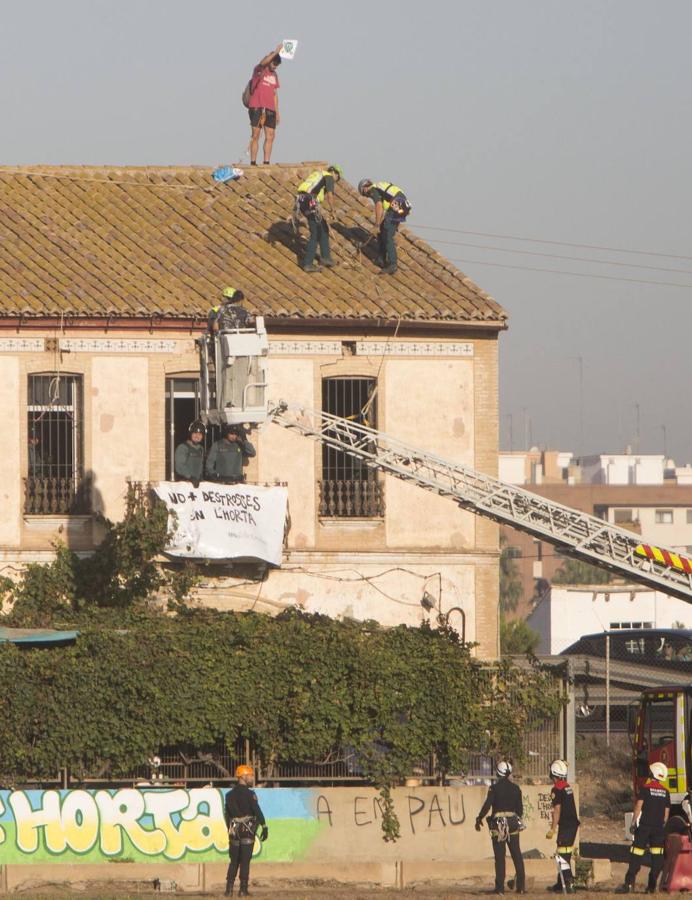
(511, 588)
(517, 637)
(147, 672)
(574, 571)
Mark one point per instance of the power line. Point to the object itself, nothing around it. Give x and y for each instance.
(600, 262)
(480, 262)
(515, 237)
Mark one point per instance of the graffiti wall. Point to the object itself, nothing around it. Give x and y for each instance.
(177, 825)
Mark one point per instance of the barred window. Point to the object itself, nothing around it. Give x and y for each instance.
(55, 465)
(349, 488)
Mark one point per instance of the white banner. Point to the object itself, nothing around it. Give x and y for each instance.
(226, 521)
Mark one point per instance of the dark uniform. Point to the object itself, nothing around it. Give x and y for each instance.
(396, 208)
(562, 795)
(649, 832)
(189, 461)
(225, 460)
(310, 195)
(506, 808)
(230, 315)
(243, 817)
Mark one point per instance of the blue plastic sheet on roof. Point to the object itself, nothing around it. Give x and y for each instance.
(36, 636)
(226, 173)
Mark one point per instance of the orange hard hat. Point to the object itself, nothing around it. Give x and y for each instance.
(244, 771)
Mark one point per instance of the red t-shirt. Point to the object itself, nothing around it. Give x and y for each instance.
(266, 84)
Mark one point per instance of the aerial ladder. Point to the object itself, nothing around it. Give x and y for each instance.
(574, 533)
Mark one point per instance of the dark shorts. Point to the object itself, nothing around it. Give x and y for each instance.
(262, 118)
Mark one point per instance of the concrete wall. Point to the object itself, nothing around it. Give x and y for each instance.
(305, 824)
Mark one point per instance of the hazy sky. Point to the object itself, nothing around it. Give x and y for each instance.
(543, 119)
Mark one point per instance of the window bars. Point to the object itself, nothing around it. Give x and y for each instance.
(349, 488)
(55, 482)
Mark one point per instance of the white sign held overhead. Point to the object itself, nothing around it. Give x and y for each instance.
(288, 51)
(225, 521)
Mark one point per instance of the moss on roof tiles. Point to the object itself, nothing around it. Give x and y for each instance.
(86, 240)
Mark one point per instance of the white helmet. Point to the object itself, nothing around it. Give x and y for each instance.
(558, 768)
(659, 770)
(504, 768)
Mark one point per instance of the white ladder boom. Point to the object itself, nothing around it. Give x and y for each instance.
(575, 533)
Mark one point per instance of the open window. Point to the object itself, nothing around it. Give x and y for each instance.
(183, 406)
(55, 482)
(349, 488)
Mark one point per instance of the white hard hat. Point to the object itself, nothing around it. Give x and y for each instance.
(558, 768)
(659, 770)
(504, 768)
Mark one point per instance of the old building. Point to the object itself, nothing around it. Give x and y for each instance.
(106, 277)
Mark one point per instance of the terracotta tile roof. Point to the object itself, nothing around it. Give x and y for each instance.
(98, 241)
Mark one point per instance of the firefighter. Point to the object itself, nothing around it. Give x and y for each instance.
(244, 819)
(229, 314)
(189, 456)
(506, 809)
(391, 209)
(317, 187)
(565, 823)
(651, 811)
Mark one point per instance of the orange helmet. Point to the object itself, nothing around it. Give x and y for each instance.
(244, 771)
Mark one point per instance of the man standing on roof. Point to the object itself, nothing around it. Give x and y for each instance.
(649, 819)
(391, 209)
(226, 457)
(229, 314)
(244, 818)
(263, 106)
(318, 186)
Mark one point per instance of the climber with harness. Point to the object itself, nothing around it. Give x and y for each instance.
(317, 187)
(391, 209)
(504, 802)
(244, 819)
(229, 314)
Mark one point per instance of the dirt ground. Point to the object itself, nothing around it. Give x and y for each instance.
(309, 892)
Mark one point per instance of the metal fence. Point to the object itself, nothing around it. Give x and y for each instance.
(544, 740)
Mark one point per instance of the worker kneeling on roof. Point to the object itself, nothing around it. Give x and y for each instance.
(391, 209)
(317, 187)
(227, 456)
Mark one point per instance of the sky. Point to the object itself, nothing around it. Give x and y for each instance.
(529, 135)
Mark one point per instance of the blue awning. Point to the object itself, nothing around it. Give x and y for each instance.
(36, 636)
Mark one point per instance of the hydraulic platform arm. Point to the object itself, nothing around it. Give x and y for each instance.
(576, 533)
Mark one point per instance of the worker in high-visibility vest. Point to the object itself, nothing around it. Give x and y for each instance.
(317, 187)
(391, 209)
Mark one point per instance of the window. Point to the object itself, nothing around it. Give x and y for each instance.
(689, 516)
(349, 489)
(513, 552)
(623, 515)
(55, 481)
(617, 626)
(664, 517)
(182, 408)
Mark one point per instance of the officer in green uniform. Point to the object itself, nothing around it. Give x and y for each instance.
(391, 209)
(189, 456)
(225, 460)
(318, 186)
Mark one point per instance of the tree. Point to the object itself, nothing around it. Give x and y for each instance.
(517, 637)
(511, 588)
(574, 571)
